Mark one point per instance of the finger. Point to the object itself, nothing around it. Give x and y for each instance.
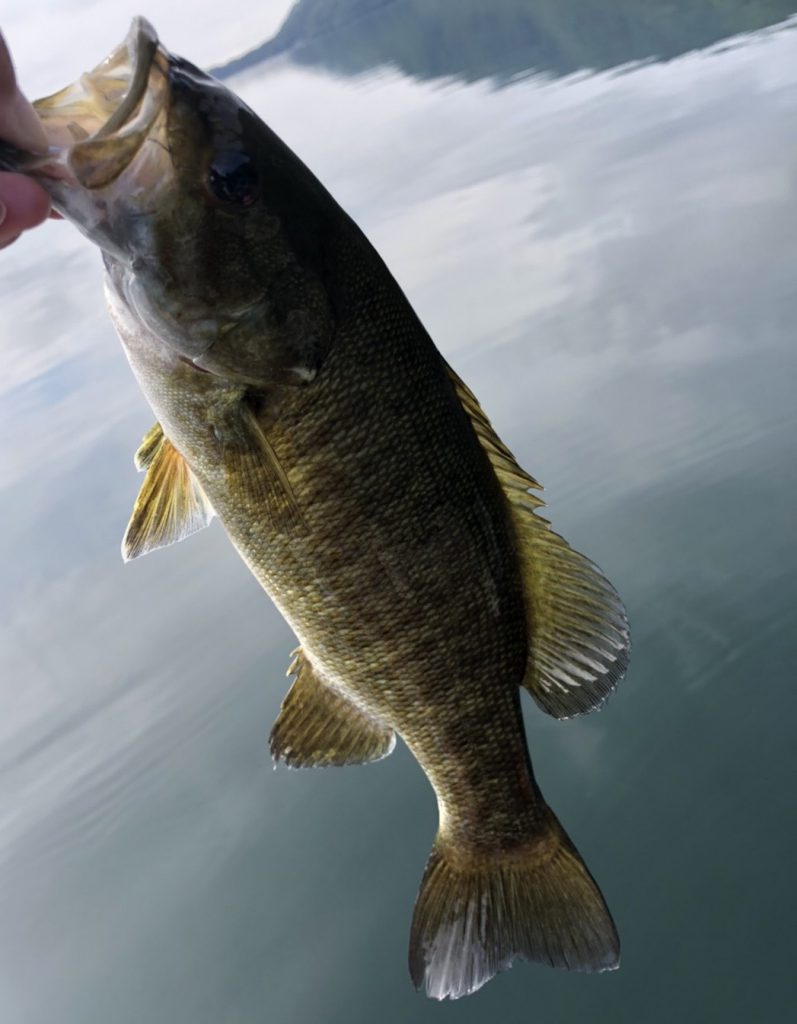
(23, 204)
(19, 123)
(8, 82)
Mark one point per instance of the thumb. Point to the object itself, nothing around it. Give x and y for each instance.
(19, 123)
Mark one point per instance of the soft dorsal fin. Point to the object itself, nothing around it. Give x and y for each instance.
(318, 727)
(577, 627)
(170, 505)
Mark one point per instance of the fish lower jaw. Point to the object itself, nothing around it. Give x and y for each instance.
(97, 125)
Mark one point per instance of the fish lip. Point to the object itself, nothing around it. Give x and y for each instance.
(83, 121)
(141, 43)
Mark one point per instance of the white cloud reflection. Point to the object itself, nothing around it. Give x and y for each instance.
(53, 41)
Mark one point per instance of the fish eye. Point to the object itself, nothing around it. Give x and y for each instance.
(233, 178)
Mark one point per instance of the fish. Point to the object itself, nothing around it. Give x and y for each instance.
(299, 399)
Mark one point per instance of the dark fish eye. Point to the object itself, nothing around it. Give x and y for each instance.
(233, 178)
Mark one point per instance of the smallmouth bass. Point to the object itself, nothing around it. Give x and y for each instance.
(300, 400)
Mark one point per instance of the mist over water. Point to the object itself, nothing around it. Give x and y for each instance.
(608, 260)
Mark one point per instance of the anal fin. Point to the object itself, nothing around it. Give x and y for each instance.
(577, 627)
(318, 727)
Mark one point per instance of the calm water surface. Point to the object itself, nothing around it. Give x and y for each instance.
(609, 260)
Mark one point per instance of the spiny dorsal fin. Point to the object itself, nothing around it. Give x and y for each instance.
(170, 505)
(318, 727)
(577, 627)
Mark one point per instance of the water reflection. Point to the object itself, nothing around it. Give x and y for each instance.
(609, 263)
(468, 40)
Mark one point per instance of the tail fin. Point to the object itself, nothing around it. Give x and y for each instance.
(538, 901)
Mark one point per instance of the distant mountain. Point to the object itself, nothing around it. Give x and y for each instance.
(499, 39)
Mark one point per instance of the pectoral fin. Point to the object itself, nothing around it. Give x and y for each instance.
(252, 467)
(318, 727)
(577, 627)
(170, 505)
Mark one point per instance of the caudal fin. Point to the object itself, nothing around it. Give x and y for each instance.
(473, 918)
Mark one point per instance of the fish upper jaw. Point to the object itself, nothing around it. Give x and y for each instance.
(98, 126)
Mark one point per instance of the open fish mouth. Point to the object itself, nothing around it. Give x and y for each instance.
(97, 125)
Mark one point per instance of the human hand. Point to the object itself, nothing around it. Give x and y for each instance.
(23, 203)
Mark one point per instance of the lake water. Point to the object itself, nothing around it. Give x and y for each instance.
(608, 258)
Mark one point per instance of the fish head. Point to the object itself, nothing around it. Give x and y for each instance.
(207, 221)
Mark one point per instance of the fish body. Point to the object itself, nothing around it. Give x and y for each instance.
(301, 401)
(396, 567)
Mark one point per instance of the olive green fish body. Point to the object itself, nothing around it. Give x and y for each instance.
(397, 567)
(300, 400)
